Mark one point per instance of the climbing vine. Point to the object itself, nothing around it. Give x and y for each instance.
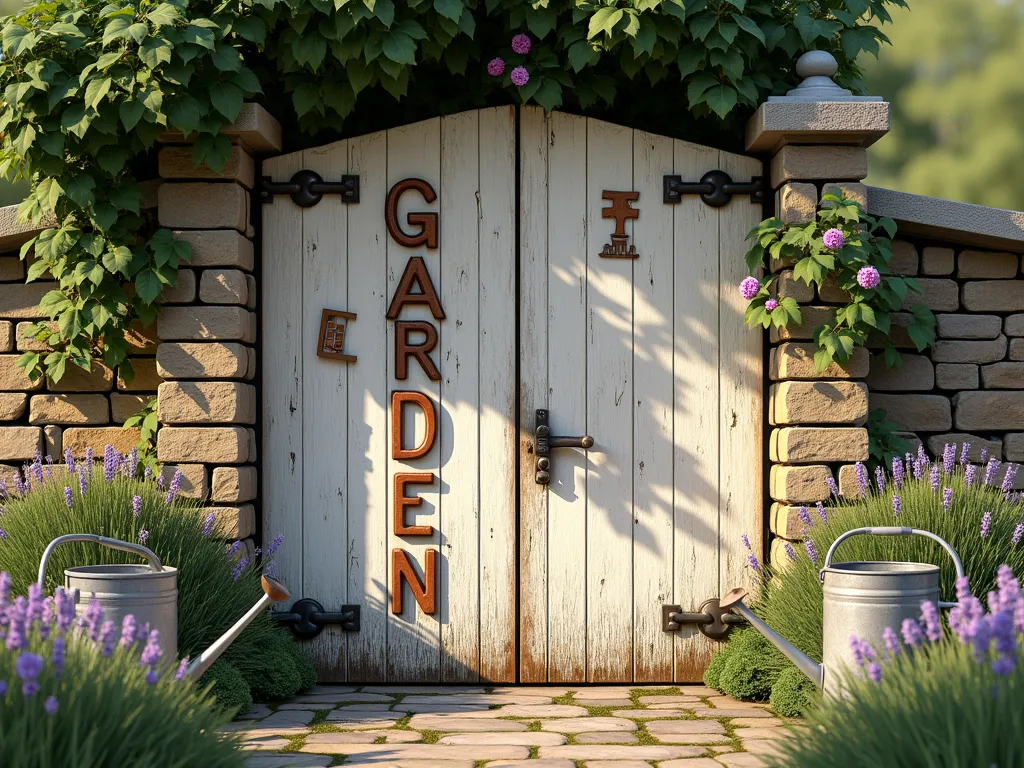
(89, 87)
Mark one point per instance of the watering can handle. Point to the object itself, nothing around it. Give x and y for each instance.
(124, 546)
(896, 531)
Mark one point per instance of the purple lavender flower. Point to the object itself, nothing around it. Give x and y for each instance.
(746, 541)
(16, 629)
(986, 525)
(868, 277)
(897, 472)
(833, 239)
(1018, 532)
(69, 461)
(108, 635)
(969, 474)
(861, 473)
(832, 487)
(875, 672)
(1008, 478)
(136, 505)
(935, 478)
(47, 619)
(496, 67)
(947, 498)
(984, 455)
(37, 468)
(244, 561)
(965, 452)
(143, 536)
(67, 496)
(65, 609)
(990, 471)
(521, 44)
(930, 620)
(172, 493)
(275, 544)
(208, 524)
(812, 551)
(93, 619)
(19, 484)
(790, 552)
(182, 669)
(880, 479)
(34, 611)
(892, 641)
(3, 535)
(804, 515)
(27, 668)
(147, 473)
(520, 76)
(857, 648)
(129, 627)
(749, 287)
(912, 634)
(3, 688)
(5, 588)
(948, 456)
(111, 461)
(233, 549)
(133, 462)
(897, 505)
(51, 705)
(821, 512)
(152, 676)
(88, 458)
(160, 481)
(770, 305)
(151, 654)
(82, 484)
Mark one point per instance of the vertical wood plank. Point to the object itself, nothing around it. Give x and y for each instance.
(695, 410)
(498, 387)
(609, 416)
(282, 374)
(414, 637)
(368, 514)
(533, 346)
(742, 414)
(458, 573)
(567, 396)
(653, 390)
(325, 400)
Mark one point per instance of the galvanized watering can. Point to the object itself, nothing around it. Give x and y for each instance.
(860, 598)
(149, 593)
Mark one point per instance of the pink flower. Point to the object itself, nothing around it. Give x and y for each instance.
(833, 239)
(749, 287)
(520, 76)
(521, 44)
(770, 305)
(496, 67)
(868, 277)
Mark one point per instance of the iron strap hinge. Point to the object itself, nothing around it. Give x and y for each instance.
(307, 618)
(716, 188)
(711, 620)
(307, 188)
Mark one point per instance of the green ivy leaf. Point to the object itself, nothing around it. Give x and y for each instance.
(604, 21)
(250, 28)
(116, 29)
(96, 91)
(126, 196)
(155, 51)
(749, 26)
(164, 15)
(80, 190)
(451, 9)
(721, 99)
(148, 286)
(197, 35)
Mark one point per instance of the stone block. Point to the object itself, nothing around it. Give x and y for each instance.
(69, 409)
(12, 268)
(800, 485)
(235, 484)
(798, 290)
(195, 205)
(142, 339)
(939, 294)
(830, 292)
(937, 261)
(224, 286)
(194, 479)
(6, 336)
(797, 162)
(78, 439)
(1016, 349)
(212, 445)
(794, 360)
(937, 444)
(1014, 446)
(99, 378)
(994, 296)
(984, 410)
(1003, 376)
(848, 486)
(20, 443)
(956, 376)
(27, 343)
(946, 351)
(250, 290)
(182, 293)
(20, 301)
(969, 326)
(810, 445)
(849, 190)
(778, 557)
(250, 371)
(217, 402)
(123, 407)
(177, 163)
(897, 336)
(1014, 325)
(986, 264)
(797, 203)
(204, 323)
(912, 439)
(145, 378)
(53, 442)
(202, 360)
(924, 413)
(12, 405)
(904, 259)
(915, 374)
(784, 520)
(811, 318)
(233, 522)
(219, 248)
(253, 450)
(13, 378)
(819, 402)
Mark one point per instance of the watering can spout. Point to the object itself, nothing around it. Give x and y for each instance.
(273, 592)
(734, 600)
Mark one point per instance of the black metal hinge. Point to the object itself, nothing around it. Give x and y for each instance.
(307, 188)
(307, 618)
(716, 188)
(712, 620)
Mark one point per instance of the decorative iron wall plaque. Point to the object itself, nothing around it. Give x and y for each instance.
(620, 210)
(331, 340)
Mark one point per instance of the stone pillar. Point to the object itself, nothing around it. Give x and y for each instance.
(207, 356)
(816, 139)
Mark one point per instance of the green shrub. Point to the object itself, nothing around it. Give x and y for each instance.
(215, 587)
(751, 668)
(101, 701)
(792, 693)
(228, 687)
(713, 674)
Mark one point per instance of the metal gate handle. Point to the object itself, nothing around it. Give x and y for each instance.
(896, 531)
(124, 546)
(545, 441)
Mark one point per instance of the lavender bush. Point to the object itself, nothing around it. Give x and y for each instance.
(121, 499)
(83, 693)
(937, 696)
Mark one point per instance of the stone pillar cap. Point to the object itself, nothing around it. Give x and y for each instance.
(255, 129)
(818, 68)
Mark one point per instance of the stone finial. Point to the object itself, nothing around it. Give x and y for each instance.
(817, 68)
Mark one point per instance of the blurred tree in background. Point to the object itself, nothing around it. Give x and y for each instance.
(952, 75)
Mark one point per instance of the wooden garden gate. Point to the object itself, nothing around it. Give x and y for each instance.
(489, 271)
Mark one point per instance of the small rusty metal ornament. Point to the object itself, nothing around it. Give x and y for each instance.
(331, 339)
(620, 210)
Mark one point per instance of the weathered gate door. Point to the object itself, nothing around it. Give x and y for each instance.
(647, 355)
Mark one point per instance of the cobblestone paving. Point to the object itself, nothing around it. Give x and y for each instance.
(511, 727)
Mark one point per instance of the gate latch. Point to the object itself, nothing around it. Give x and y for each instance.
(715, 188)
(711, 621)
(545, 441)
(307, 618)
(307, 188)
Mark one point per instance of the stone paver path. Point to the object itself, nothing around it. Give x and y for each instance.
(686, 726)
